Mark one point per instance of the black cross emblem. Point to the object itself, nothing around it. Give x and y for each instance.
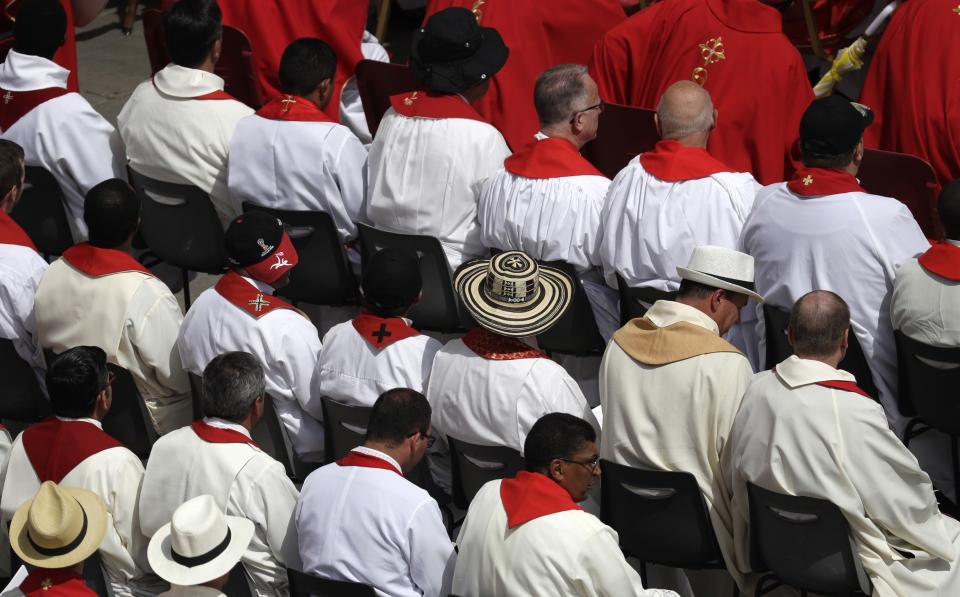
(381, 333)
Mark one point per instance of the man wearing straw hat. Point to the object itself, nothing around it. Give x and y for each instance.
(53, 533)
(670, 386)
(491, 386)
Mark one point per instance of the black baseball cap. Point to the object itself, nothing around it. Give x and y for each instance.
(833, 126)
(392, 278)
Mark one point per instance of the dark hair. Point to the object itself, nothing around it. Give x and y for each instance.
(111, 210)
(397, 414)
(557, 90)
(949, 208)
(305, 64)
(694, 290)
(40, 28)
(74, 379)
(231, 384)
(385, 312)
(190, 29)
(817, 322)
(11, 166)
(555, 435)
(811, 160)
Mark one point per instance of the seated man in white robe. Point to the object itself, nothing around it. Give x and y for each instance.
(546, 200)
(379, 350)
(97, 294)
(528, 536)
(806, 429)
(360, 520)
(217, 457)
(241, 313)
(433, 150)
(291, 155)
(59, 130)
(72, 449)
(491, 386)
(177, 125)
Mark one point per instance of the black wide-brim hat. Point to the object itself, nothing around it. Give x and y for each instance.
(452, 53)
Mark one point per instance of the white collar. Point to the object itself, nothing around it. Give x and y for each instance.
(540, 136)
(93, 422)
(664, 313)
(796, 372)
(261, 286)
(225, 424)
(183, 82)
(23, 72)
(955, 243)
(193, 590)
(380, 455)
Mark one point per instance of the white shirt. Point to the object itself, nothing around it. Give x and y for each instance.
(925, 306)
(173, 137)
(243, 480)
(20, 271)
(64, 135)
(372, 526)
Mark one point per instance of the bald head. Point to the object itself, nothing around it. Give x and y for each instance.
(818, 323)
(685, 109)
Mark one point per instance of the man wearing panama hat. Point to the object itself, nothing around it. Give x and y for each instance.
(670, 385)
(490, 386)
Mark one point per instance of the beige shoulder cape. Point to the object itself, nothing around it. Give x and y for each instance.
(653, 345)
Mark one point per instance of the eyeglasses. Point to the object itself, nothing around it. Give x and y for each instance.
(430, 439)
(590, 464)
(598, 107)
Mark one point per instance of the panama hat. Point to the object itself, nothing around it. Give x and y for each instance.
(58, 527)
(722, 268)
(199, 544)
(512, 295)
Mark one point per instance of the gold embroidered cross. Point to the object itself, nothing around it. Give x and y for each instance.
(7, 97)
(46, 584)
(477, 13)
(408, 101)
(287, 101)
(808, 181)
(713, 51)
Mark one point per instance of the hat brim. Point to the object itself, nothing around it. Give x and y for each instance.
(96, 512)
(554, 295)
(161, 559)
(454, 77)
(715, 282)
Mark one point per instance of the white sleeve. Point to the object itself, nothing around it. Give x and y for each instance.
(564, 395)
(274, 497)
(94, 149)
(154, 333)
(125, 476)
(431, 555)
(350, 173)
(606, 573)
(488, 163)
(297, 356)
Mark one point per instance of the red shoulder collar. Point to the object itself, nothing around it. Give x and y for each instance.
(673, 162)
(815, 182)
(495, 347)
(942, 259)
(549, 158)
(532, 495)
(62, 582)
(381, 332)
(423, 104)
(219, 435)
(354, 458)
(95, 261)
(846, 386)
(747, 15)
(56, 447)
(294, 109)
(248, 297)
(12, 234)
(14, 105)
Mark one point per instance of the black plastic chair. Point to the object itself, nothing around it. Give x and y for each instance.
(196, 395)
(42, 214)
(23, 398)
(805, 543)
(304, 585)
(344, 427)
(323, 275)
(776, 321)
(660, 517)
(439, 310)
(634, 301)
(576, 331)
(237, 585)
(472, 466)
(180, 225)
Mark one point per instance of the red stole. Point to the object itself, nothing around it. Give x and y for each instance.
(354, 458)
(846, 386)
(293, 108)
(942, 259)
(532, 495)
(55, 447)
(42, 582)
(381, 332)
(219, 435)
(12, 234)
(14, 105)
(673, 162)
(97, 261)
(815, 182)
(495, 347)
(248, 297)
(424, 104)
(549, 158)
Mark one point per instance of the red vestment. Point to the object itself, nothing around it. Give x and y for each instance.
(756, 78)
(835, 18)
(540, 34)
(913, 86)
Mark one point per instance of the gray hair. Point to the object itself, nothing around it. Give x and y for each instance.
(231, 384)
(675, 121)
(556, 91)
(817, 322)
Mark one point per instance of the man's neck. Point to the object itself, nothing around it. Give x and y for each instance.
(392, 452)
(832, 360)
(696, 140)
(566, 134)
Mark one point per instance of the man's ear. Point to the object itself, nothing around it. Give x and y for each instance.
(9, 200)
(656, 124)
(790, 336)
(716, 115)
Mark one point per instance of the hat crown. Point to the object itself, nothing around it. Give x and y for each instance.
(722, 262)
(450, 35)
(197, 527)
(55, 518)
(512, 278)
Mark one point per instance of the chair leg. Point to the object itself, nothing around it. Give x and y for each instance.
(956, 469)
(129, 16)
(186, 289)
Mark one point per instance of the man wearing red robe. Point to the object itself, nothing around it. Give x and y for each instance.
(913, 86)
(540, 34)
(736, 50)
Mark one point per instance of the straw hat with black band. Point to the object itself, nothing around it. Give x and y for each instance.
(720, 267)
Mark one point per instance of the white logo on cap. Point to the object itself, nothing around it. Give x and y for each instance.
(281, 262)
(266, 248)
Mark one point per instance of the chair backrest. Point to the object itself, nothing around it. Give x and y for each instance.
(376, 82)
(93, 575)
(472, 466)
(42, 214)
(180, 225)
(323, 275)
(634, 301)
(806, 542)
(23, 398)
(929, 390)
(576, 331)
(624, 132)
(153, 35)
(237, 68)
(439, 308)
(660, 516)
(6, 44)
(777, 320)
(304, 585)
(196, 394)
(344, 427)
(237, 585)
(907, 178)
